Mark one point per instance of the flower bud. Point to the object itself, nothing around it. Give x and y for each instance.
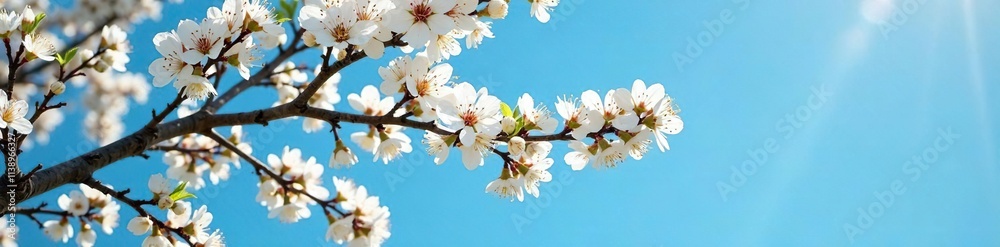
(27, 19)
(181, 207)
(516, 146)
(165, 202)
(57, 88)
(508, 124)
(84, 55)
(309, 39)
(497, 9)
(342, 156)
(341, 54)
(139, 225)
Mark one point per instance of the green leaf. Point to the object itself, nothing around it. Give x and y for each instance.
(180, 193)
(181, 196)
(289, 8)
(60, 59)
(34, 25)
(279, 15)
(505, 110)
(70, 54)
(39, 17)
(282, 20)
(519, 126)
(180, 187)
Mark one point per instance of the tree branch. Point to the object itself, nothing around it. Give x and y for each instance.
(259, 166)
(137, 205)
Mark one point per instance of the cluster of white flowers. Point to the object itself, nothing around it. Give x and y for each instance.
(623, 124)
(434, 24)
(107, 99)
(288, 202)
(230, 35)
(602, 132)
(189, 156)
(18, 31)
(366, 222)
(180, 215)
(87, 15)
(634, 117)
(88, 205)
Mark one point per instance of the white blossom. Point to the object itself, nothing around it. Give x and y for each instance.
(664, 120)
(289, 213)
(482, 30)
(13, 114)
(87, 236)
(116, 42)
(473, 113)
(537, 163)
(204, 40)
(108, 217)
(540, 9)
(199, 224)
(156, 240)
(288, 74)
(39, 47)
(76, 203)
(535, 118)
(610, 109)
(342, 156)
(507, 186)
(139, 225)
(341, 230)
(58, 230)
(420, 20)
(581, 120)
(391, 144)
(336, 26)
(497, 9)
(439, 146)
(395, 75)
(428, 86)
(9, 22)
(580, 155)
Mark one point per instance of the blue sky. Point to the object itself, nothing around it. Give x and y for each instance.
(864, 98)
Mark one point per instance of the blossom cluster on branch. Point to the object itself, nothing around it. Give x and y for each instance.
(418, 91)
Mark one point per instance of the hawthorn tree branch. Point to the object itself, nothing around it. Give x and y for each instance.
(80, 168)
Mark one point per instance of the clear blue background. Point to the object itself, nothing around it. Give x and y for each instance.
(890, 96)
